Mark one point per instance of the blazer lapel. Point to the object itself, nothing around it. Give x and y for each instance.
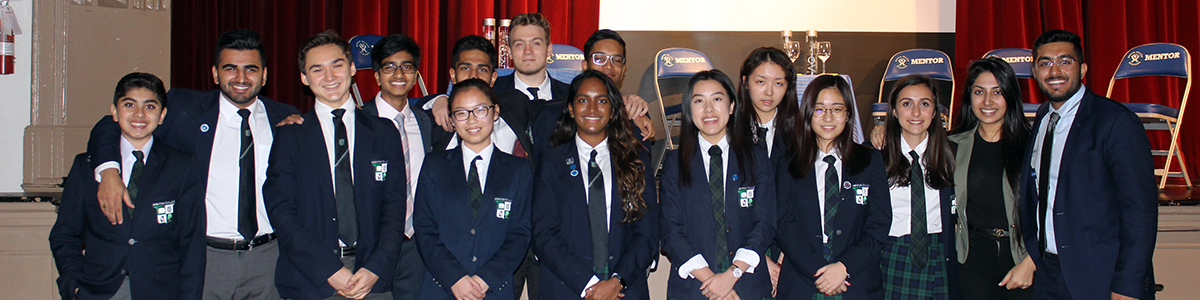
(1080, 126)
(209, 116)
(811, 210)
(313, 138)
(496, 181)
(425, 125)
(733, 182)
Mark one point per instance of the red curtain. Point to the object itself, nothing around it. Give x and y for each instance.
(284, 24)
(1109, 28)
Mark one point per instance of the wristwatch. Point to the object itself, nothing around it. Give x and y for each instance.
(620, 280)
(737, 272)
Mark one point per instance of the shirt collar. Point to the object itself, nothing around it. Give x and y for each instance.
(771, 123)
(544, 87)
(585, 150)
(1070, 107)
(386, 110)
(325, 111)
(230, 111)
(127, 148)
(469, 155)
(704, 144)
(920, 147)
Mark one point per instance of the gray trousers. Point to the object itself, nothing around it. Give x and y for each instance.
(241, 274)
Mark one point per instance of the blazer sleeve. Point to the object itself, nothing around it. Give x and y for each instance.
(765, 225)
(864, 252)
(505, 261)
(280, 197)
(643, 248)
(674, 241)
(549, 241)
(1127, 154)
(104, 142)
(438, 259)
(66, 237)
(193, 238)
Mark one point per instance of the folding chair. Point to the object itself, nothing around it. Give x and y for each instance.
(565, 57)
(360, 51)
(673, 67)
(1159, 59)
(1021, 60)
(933, 63)
(802, 82)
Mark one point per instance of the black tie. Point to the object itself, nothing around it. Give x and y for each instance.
(476, 189)
(832, 196)
(598, 215)
(135, 175)
(1044, 178)
(716, 187)
(247, 214)
(343, 182)
(533, 93)
(920, 231)
(762, 135)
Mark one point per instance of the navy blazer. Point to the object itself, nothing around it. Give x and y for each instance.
(428, 135)
(1106, 205)
(518, 110)
(298, 195)
(949, 220)
(546, 120)
(189, 126)
(688, 224)
(452, 243)
(563, 242)
(860, 226)
(161, 247)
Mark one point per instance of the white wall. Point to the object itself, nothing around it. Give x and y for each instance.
(15, 97)
(776, 15)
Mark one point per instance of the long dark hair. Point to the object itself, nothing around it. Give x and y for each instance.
(1016, 130)
(622, 145)
(741, 143)
(805, 156)
(787, 107)
(938, 157)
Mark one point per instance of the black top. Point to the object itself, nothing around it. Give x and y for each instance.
(985, 208)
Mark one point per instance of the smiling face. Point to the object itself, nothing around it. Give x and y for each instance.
(592, 110)
(829, 123)
(711, 109)
(327, 71)
(473, 64)
(395, 86)
(530, 47)
(987, 100)
(1058, 70)
(475, 132)
(616, 56)
(138, 112)
(915, 109)
(767, 86)
(240, 75)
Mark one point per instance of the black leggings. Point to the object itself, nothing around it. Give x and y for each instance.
(988, 260)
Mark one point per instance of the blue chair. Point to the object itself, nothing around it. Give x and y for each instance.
(1020, 59)
(673, 67)
(802, 82)
(565, 57)
(1159, 59)
(360, 52)
(933, 63)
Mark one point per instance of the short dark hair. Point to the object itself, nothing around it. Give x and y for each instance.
(392, 44)
(141, 80)
(239, 39)
(531, 19)
(600, 35)
(471, 84)
(1059, 35)
(474, 42)
(327, 37)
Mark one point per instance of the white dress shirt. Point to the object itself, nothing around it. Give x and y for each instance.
(770, 126)
(221, 193)
(1066, 116)
(544, 92)
(411, 130)
(325, 117)
(820, 168)
(750, 257)
(127, 158)
(481, 165)
(603, 158)
(902, 198)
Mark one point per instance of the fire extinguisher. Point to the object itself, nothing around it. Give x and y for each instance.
(8, 28)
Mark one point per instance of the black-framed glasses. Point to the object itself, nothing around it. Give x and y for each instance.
(1061, 62)
(836, 111)
(600, 59)
(480, 112)
(390, 68)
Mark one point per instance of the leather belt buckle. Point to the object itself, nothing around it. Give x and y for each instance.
(997, 232)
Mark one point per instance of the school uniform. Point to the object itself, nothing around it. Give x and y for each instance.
(853, 234)
(460, 236)
(157, 253)
(563, 240)
(701, 230)
(905, 274)
(302, 199)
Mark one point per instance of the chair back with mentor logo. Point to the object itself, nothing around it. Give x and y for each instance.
(673, 67)
(360, 54)
(1020, 59)
(565, 57)
(1159, 59)
(928, 62)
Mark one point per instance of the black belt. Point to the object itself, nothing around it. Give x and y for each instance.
(229, 244)
(990, 232)
(345, 251)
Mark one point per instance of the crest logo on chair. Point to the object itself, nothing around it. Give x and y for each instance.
(363, 48)
(1135, 58)
(550, 58)
(901, 62)
(668, 60)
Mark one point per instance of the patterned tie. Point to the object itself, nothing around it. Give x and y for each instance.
(833, 195)
(920, 231)
(135, 175)
(247, 213)
(343, 183)
(1044, 178)
(598, 216)
(762, 135)
(408, 227)
(476, 188)
(716, 187)
(533, 92)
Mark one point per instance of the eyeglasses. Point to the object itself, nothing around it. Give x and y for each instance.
(479, 112)
(1062, 63)
(836, 112)
(390, 68)
(600, 59)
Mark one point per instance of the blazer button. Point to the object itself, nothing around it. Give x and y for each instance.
(472, 231)
(473, 259)
(610, 258)
(123, 272)
(839, 232)
(132, 241)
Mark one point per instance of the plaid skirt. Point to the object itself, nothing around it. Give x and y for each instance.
(822, 296)
(903, 280)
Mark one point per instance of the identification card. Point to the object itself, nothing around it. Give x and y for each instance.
(503, 208)
(165, 211)
(746, 196)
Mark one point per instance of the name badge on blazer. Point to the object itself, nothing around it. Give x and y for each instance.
(746, 196)
(861, 191)
(165, 211)
(380, 169)
(503, 208)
